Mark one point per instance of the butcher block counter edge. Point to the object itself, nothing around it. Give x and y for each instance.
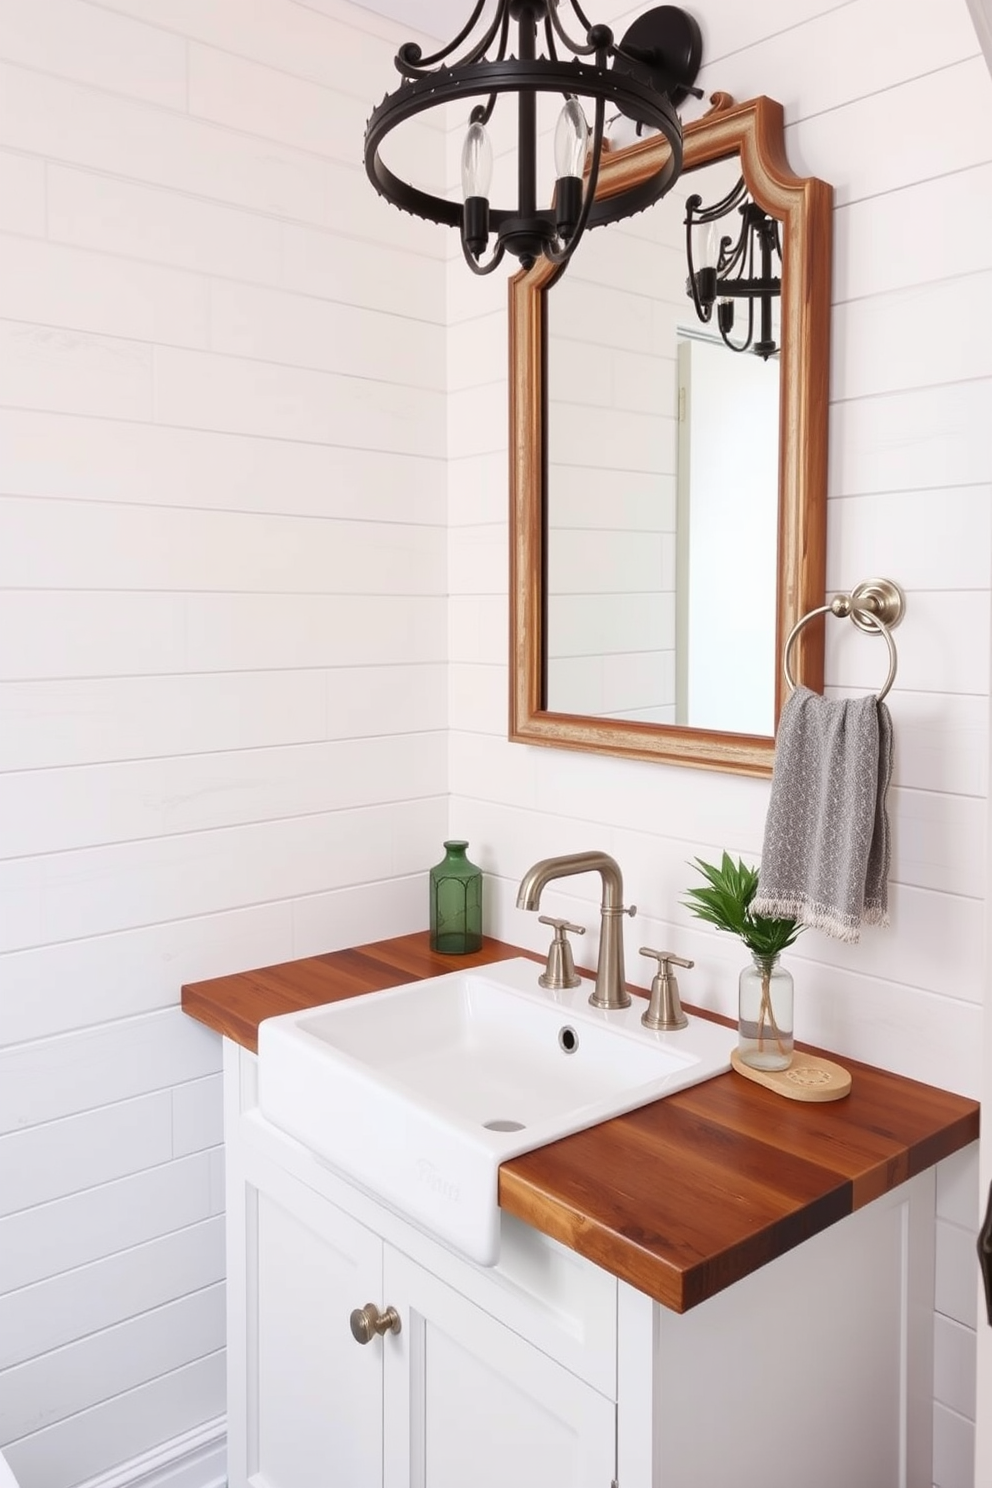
(682, 1197)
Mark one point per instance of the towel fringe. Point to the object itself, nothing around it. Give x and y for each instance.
(813, 916)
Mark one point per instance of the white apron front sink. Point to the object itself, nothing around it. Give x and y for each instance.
(419, 1093)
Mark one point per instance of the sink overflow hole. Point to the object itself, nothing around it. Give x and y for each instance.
(568, 1039)
(503, 1125)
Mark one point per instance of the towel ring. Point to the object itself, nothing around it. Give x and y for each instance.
(875, 606)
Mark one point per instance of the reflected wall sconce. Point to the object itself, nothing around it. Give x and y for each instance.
(645, 76)
(743, 264)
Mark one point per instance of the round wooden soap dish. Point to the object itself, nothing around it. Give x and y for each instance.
(808, 1078)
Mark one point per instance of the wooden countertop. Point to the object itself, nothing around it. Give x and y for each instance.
(682, 1197)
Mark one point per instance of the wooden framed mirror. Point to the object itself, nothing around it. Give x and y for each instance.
(599, 545)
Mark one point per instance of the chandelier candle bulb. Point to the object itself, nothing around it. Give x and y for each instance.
(477, 162)
(571, 143)
(571, 140)
(713, 246)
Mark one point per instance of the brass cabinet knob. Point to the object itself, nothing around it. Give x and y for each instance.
(367, 1321)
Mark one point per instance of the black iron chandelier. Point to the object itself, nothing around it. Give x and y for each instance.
(645, 77)
(742, 265)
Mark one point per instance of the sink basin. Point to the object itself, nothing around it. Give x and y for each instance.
(420, 1092)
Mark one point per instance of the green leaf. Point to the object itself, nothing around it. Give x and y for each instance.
(725, 903)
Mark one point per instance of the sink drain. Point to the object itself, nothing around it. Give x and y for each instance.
(503, 1125)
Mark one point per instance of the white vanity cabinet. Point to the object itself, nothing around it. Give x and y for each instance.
(461, 1395)
(546, 1371)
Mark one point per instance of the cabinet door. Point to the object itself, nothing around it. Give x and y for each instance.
(468, 1401)
(312, 1396)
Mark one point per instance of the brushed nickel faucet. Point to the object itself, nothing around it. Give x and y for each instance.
(611, 987)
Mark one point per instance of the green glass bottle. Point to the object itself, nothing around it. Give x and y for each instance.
(456, 903)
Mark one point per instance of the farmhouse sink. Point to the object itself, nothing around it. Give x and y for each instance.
(420, 1092)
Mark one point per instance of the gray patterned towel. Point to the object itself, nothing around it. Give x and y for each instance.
(825, 859)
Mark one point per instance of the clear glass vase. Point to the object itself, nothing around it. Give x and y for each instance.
(456, 902)
(764, 1038)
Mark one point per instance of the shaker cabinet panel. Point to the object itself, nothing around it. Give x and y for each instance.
(313, 1395)
(467, 1400)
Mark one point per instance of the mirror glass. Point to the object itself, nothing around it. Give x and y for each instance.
(662, 483)
(669, 493)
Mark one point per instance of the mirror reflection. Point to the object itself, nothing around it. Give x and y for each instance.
(668, 495)
(662, 483)
(662, 476)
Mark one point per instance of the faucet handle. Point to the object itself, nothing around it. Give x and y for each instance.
(560, 970)
(664, 1011)
(663, 956)
(561, 924)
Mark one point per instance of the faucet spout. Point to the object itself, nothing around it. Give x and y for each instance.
(610, 990)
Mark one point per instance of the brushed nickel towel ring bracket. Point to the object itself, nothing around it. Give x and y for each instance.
(876, 606)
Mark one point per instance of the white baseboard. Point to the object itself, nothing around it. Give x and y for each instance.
(197, 1459)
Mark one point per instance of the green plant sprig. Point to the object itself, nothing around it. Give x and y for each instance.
(726, 904)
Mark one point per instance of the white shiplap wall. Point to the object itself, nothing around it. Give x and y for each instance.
(895, 113)
(223, 628)
(222, 642)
